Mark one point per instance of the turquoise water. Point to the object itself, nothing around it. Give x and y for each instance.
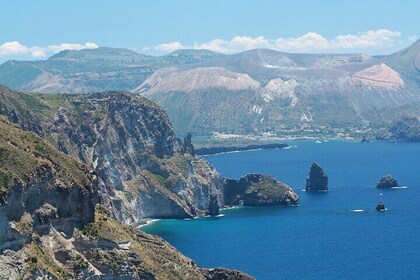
(324, 238)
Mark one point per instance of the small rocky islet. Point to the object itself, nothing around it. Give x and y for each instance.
(387, 182)
(380, 207)
(317, 179)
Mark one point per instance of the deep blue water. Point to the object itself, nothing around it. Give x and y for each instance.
(323, 238)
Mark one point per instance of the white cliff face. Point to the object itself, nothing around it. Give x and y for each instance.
(277, 88)
(379, 76)
(174, 80)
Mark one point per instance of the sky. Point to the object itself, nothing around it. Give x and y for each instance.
(37, 29)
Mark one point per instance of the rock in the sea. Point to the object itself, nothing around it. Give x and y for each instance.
(380, 206)
(257, 189)
(317, 179)
(213, 206)
(387, 182)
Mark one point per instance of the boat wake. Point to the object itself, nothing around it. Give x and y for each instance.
(397, 188)
(290, 147)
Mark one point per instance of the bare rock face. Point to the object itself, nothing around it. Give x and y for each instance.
(52, 227)
(387, 182)
(317, 179)
(40, 188)
(143, 169)
(257, 189)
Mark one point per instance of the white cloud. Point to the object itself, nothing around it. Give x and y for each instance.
(38, 53)
(12, 48)
(169, 47)
(306, 43)
(15, 48)
(68, 46)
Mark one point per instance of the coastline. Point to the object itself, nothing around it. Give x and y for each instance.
(232, 149)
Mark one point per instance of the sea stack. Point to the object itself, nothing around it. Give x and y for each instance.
(317, 179)
(387, 182)
(214, 208)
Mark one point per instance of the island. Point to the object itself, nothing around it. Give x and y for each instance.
(258, 189)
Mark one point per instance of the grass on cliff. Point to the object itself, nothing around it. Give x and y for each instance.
(151, 182)
(22, 153)
(267, 188)
(40, 258)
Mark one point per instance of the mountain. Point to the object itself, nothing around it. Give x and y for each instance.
(406, 62)
(265, 91)
(189, 56)
(92, 70)
(259, 91)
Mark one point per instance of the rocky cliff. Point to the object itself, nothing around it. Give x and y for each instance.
(103, 249)
(143, 169)
(40, 186)
(51, 226)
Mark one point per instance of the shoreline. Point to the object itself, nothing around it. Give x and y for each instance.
(234, 149)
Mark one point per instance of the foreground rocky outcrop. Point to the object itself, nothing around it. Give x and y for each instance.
(317, 179)
(257, 189)
(52, 227)
(39, 187)
(387, 182)
(103, 249)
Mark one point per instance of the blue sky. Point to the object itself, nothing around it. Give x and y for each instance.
(37, 29)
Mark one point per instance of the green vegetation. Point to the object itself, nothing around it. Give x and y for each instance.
(22, 153)
(267, 188)
(40, 258)
(24, 225)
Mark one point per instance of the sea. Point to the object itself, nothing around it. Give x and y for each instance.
(331, 235)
